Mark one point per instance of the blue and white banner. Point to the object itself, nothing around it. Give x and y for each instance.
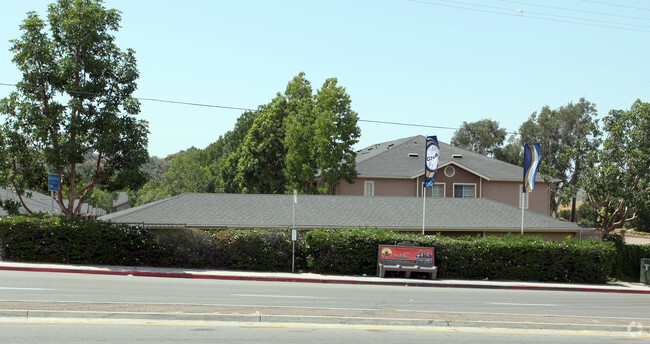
(531, 165)
(432, 156)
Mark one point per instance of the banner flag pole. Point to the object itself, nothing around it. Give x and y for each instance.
(424, 202)
(522, 214)
(432, 155)
(532, 156)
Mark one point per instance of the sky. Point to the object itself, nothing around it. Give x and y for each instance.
(432, 64)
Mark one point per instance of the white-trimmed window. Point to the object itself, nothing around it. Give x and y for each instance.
(464, 190)
(435, 191)
(369, 188)
(523, 197)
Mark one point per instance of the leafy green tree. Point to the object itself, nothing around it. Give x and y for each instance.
(300, 169)
(482, 137)
(617, 183)
(222, 154)
(335, 133)
(187, 174)
(512, 152)
(75, 101)
(566, 136)
(102, 199)
(261, 158)
(153, 190)
(300, 141)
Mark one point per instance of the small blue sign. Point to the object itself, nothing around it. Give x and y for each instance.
(52, 182)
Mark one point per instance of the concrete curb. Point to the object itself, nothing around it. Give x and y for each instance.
(268, 319)
(262, 277)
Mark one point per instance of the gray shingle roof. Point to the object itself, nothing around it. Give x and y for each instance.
(122, 198)
(40, 203)
(247, 210)
(404, 158)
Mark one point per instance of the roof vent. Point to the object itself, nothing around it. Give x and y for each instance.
(414, 155)
(457, 156)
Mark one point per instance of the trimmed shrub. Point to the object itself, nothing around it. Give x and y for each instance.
(354, 251)
(349, 251)
(189, 247)
(75, 241)
(526, 258)
(627, 261)
(259, 249)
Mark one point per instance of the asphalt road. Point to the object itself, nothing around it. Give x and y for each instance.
(81, 288)
(19, 332)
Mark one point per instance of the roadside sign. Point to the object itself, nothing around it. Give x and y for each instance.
(52, 182)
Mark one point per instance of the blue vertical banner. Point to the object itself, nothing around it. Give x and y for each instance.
(531, 165)
(432, 156)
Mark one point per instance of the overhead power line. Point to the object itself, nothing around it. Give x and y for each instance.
(253, 110)
(617, 5)
(574, 10)
(524, 14)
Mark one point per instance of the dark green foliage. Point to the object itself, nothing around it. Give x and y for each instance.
(526, 258)
(587, 217)
(354, 251)
(564, 214)
(350, 251)
(190, 248)
(627, 260)
(346, 250)
(258, 249)
(10, 206)
(75, 241)
(642, 222)
(237, 249)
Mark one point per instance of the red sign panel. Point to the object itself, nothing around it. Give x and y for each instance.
(417, 255)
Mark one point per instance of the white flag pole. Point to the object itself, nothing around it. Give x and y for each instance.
(424, 208)
(522, 213)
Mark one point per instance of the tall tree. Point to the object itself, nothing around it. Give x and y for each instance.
(566, 136)
(74, 102)
(512, 152)
(335, 133)
(222, 154)
(482, 137)
(300, 168)
(261, 158)
(299, 141)
(617, 185)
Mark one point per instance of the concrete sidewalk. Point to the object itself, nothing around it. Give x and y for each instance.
(618, 287)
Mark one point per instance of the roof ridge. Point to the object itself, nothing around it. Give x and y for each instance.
(128, 211)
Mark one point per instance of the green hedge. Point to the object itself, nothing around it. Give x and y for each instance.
(354, 251)
(349, 251)
(627, 261)
(74, 241)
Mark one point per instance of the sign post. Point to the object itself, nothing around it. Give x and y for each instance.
(52, 185)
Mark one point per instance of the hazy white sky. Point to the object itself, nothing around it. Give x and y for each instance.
(429, 62)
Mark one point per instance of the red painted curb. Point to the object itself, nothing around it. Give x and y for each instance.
(322, 281)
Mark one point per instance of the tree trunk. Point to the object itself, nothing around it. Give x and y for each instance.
(573, 209)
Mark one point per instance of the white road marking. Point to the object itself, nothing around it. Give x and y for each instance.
(523, 304)
(11, 288)
(282, 296)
